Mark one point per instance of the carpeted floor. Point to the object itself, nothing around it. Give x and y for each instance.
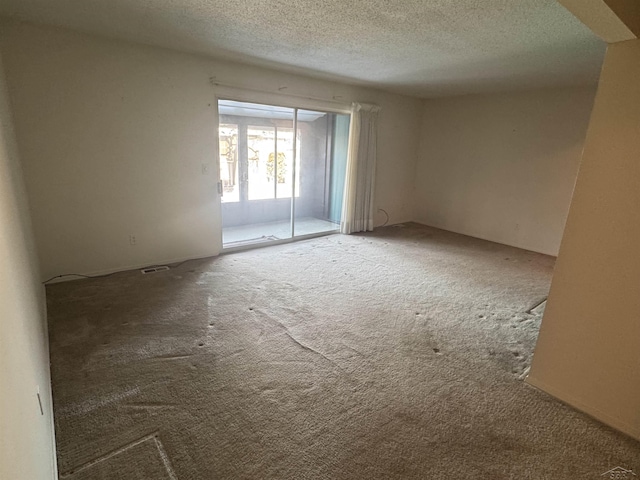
(396, 354)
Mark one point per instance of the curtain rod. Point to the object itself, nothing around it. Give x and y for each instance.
(335, 98)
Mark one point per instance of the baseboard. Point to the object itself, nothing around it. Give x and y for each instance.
(466, 234)
(99, 273)
(613, 422)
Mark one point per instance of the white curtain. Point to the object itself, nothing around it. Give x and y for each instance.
(358, 205)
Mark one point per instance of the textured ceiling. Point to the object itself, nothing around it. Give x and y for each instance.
(418, 47)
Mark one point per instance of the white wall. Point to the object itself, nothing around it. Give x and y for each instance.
(502, 167)
(113, 136)
(588, 351)
(26, 435)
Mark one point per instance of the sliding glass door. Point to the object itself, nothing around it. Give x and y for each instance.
(282, 172)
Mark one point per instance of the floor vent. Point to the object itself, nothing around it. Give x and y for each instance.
(154, 269)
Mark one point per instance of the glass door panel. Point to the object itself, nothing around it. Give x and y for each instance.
(256, 209)
(320, 171)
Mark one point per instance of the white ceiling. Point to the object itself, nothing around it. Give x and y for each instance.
(418, 47)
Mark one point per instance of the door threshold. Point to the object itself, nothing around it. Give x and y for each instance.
(269, 243)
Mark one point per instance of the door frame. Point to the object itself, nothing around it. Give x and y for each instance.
(271, 99)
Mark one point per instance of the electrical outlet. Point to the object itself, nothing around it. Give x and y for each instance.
(133, 240)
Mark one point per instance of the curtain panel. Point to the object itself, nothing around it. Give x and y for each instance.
(359, 204)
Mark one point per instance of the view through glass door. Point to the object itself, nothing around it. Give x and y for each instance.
(282, 172)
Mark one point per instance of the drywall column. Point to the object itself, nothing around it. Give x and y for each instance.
(26, 421)
(588, 352)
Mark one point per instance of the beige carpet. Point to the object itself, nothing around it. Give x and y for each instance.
(396, 354)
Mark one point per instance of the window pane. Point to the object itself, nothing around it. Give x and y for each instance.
(262, 169)
(229, 163)
(285, 163)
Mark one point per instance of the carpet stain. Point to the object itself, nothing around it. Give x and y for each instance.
(92, 404)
